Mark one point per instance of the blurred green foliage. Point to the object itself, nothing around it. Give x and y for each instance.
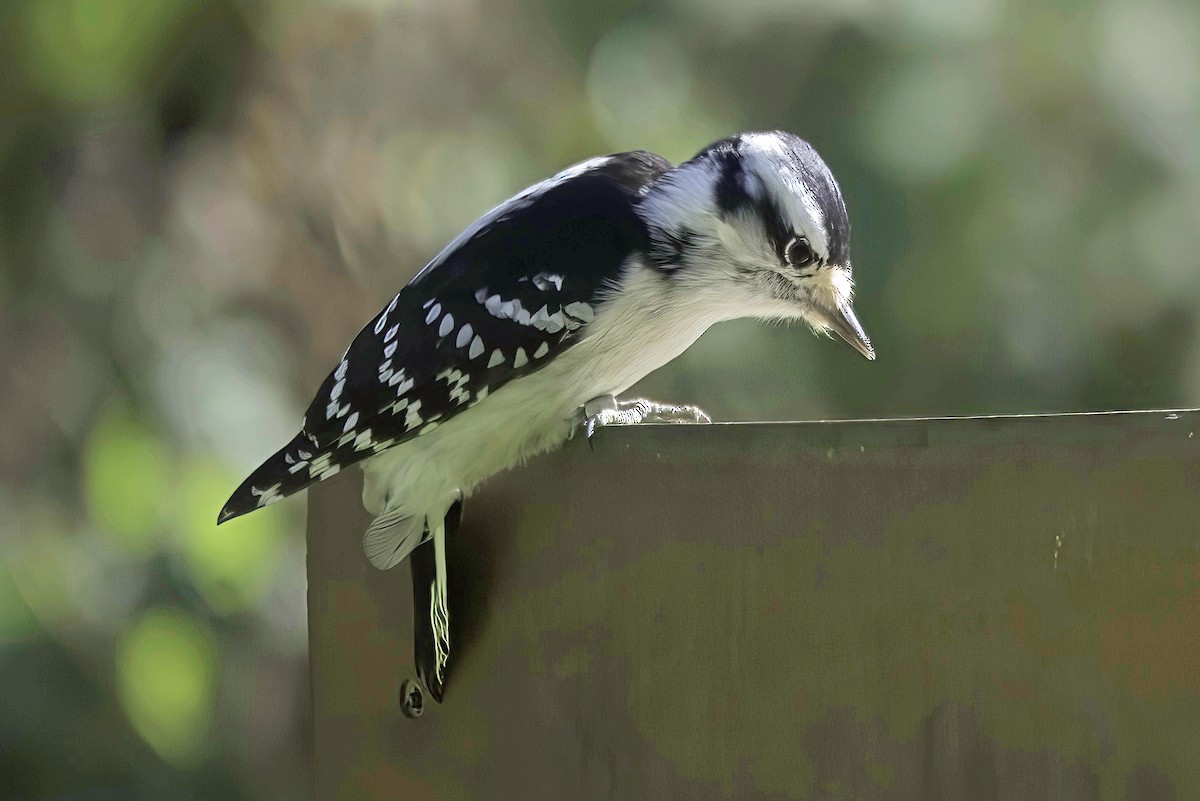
(125, 480)
(200, 204)
(85, 52)
(165, 679)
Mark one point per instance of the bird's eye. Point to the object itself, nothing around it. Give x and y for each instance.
(799, 253)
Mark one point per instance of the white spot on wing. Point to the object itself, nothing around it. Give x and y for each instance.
(269, 495)
(412, 418)
(492, 304)
(320, 465)
(476, 348)
(433, 314)
(555, 323)
(391, 334)
(447, 325)
(351, 421)
(464, 336)
(542, 350)
(497, 358)
(382, 321)
(580, 311)
(390, 349)
(336, 392)
(544, 281)
(520, 359)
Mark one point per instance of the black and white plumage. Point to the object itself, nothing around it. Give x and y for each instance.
(571, 291)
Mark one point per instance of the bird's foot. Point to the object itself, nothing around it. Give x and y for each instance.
(439, 610)
(431, 605)
(439, 616)
(608, 411)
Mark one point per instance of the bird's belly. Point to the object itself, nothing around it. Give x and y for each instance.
(611, 372)
(618, 355)
(520, 420)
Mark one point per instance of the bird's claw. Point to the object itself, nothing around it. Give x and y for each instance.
(608, 411)
(665, 413)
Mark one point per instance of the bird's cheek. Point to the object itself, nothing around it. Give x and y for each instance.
(806, 290)
(785, 287)
(827, 290)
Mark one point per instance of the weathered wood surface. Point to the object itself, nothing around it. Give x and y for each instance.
(998, 608)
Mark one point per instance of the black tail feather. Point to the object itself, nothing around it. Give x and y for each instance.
(285, 473)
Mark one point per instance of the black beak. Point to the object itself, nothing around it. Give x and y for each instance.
(843, 323)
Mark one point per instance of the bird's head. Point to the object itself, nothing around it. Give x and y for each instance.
(757, 221)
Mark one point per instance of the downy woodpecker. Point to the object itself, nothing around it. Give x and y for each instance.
(536, 316)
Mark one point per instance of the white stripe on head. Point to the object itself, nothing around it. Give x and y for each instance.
(764, 157)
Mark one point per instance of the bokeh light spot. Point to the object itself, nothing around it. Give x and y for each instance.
(928, 119)
(166, 674)
(125, 481)
(435, 185)
(640, 87)
(932, 20)
(1149, 62)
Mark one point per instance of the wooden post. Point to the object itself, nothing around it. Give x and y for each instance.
(937, 609)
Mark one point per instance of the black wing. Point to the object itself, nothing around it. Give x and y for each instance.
(514, 290)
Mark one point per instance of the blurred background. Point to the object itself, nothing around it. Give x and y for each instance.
(202, 202)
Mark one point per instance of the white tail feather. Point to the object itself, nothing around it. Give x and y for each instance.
(392, 537)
